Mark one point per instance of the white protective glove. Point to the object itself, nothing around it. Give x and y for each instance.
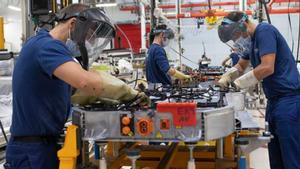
(181, 76)
(228, 77)
(112, 88)
(246, 81)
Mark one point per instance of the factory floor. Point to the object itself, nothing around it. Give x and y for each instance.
(259, 159)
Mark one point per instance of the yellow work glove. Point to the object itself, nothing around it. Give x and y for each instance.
(181, 76)
(113, 89)
(228, 77)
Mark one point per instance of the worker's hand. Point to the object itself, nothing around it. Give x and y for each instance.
(246, 81)
(141, 100)
(228, 77)
(181, 76)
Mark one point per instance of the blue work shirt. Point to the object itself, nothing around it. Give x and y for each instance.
(157, 65)
(234, 58)
(41, 101)
(285, 80)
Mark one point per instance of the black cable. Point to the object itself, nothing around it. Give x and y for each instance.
(136, 78)
(184, 56)
(3, 132)
(267, 12)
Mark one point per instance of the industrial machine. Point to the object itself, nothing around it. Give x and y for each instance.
(195, 124)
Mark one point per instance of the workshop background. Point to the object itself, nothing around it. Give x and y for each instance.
(198, 38)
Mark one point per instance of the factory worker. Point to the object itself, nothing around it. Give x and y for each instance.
(158, 69)
(274, 64)
(234, 58)
(42, 80)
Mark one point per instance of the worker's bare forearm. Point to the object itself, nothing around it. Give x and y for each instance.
(242, 65)
(90, 84)
(225, 60)
(266, 68)
(73, 74)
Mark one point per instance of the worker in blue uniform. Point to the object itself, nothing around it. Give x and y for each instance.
(158, 69)
(42, 80)
(267, 50)
(233, 57)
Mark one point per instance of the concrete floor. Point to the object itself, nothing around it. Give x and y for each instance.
(259, 159)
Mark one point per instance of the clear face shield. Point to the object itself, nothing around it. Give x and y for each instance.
(233, 36)
(93, 32)
(97, 38)
(168, 35)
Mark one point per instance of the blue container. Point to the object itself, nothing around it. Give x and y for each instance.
(242, 163)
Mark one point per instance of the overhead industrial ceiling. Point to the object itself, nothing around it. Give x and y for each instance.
(6, 3)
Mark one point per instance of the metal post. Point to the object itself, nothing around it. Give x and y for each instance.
(152, 17)
(133, 155)
(220, 152)
(1, 33)
(27, 25)
(102, 160)
(242, 5)
(178, 11)
(191, 163)
(260, 12)
(143, 26)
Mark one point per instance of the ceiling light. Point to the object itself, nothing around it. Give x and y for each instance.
(14, 8)
(106, 5)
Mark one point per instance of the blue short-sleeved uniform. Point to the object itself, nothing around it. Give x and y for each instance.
(41, 102)
(157, 65)
(234, 58)
(282, 89)
(285, 80)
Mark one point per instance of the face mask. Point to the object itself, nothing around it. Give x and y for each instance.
(165, 42)
(73, 47)
(243, 45)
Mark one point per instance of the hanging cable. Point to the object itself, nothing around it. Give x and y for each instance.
(184, 56)
(267, 11)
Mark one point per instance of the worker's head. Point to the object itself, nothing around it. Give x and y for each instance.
(86, 31)
(66, 18)
(235, 31)
(233, 26)
(82, 23)
(162, 35)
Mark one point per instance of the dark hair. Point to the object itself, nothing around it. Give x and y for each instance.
(70, 11)
(236, 16)
(156, 32)
(158, 29)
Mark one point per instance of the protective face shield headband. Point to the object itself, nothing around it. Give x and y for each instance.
(167, 33)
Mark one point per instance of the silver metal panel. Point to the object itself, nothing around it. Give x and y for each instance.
(218, 123)
(105, 125)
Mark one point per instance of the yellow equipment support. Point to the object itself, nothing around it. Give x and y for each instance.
(68, 154)
(1, 33)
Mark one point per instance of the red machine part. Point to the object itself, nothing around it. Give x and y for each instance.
(133, 33)
(184, 114)
(126, 130)
(190, 5)
(125, 120)
(228, 3)
(126, 125)
(144, 126)
(164, 124)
